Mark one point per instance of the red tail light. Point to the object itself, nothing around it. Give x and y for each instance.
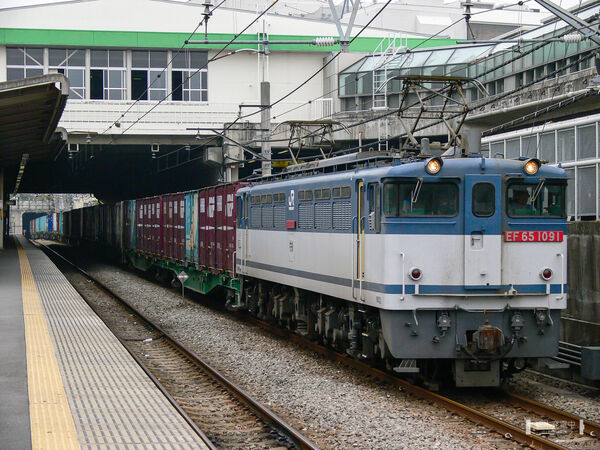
(546, 274)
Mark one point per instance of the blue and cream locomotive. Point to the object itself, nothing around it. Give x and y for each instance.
(447, 267)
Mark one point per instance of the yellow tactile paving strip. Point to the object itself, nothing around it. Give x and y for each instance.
(52, 425)
(113, 402)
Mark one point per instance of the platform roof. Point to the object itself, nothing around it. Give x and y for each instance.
(29, 113)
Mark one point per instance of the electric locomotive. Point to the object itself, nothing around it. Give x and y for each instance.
(442, 267)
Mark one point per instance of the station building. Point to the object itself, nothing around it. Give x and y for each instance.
(136, 91)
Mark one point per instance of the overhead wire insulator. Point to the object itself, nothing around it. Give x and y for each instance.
(324, 41)
(572, 38)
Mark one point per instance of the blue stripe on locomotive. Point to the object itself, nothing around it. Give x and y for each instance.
(453, 170)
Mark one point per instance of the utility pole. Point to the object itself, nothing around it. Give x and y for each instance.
(265, 125)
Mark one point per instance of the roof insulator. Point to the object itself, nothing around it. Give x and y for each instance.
(572, 38)
(324, 41)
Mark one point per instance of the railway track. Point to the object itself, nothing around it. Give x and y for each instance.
(505, 413)
(505, 423)
(222, 414)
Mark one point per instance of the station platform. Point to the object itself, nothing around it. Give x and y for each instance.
(66, 382)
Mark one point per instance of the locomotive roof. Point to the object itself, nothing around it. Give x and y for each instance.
(453, 168)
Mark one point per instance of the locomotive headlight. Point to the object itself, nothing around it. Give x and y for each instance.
(415, 273)
(546, 274)
(531, 166)
(434, 165)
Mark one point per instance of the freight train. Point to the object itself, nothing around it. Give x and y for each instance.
(442, 267)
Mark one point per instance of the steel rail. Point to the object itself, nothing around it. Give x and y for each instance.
(591, 428)
(258, 408)
(509, 431)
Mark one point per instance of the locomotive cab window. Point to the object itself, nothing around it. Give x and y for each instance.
(419, 199)
(542, 199)
(483, 195)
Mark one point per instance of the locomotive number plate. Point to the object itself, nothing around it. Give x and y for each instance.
(533, 236)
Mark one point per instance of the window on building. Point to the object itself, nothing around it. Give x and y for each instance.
(24, 63)
(566, 144)
(189, 81)
(586, 141)
(71, 63)
(148, 75)
(548, 147)
(107, 75)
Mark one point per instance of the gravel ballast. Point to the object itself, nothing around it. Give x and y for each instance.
(330, 404)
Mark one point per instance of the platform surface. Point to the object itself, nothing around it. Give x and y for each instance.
(69, 382)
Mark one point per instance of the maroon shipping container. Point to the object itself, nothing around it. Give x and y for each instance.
(179, 226)
(225, 220)
(156, 220)
(174, 226)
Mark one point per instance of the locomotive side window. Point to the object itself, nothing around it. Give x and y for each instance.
(484, 204)
(418, 199)
(536, 200)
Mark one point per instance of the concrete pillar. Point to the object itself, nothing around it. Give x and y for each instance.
(265, 125)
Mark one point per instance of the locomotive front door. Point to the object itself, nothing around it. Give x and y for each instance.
(482, 238)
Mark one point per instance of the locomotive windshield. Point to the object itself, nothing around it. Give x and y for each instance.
(536, 200)
(418, 199)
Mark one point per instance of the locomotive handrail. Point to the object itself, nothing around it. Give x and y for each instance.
(362, 256)
(403, 280)
(562, 275)
(233, 264)
(354, 252)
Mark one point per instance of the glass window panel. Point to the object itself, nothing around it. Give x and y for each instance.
(77, 93)
(56, 56)
(14, 74)
(14, 57)
(586, 191)
(547, 147)
(158, 59)
(76, 57)
(198, 59)
(586, 141)
(570, 192)
(512, 148)
(403, 199)
(114, 94)
(115, 78)
(179, 60)
(497, 149)
(439, 57)
(195, 80)
(99, 58)
(204, 96)
(34, 56)
(156, 95)
(76, 77)
(204, 79)
(566, 145)
(529, 146)
(157, 79)
(33, 72)
(115, 58)
(195, 96)
(483, 197)
(139, 58)
(521, 200)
